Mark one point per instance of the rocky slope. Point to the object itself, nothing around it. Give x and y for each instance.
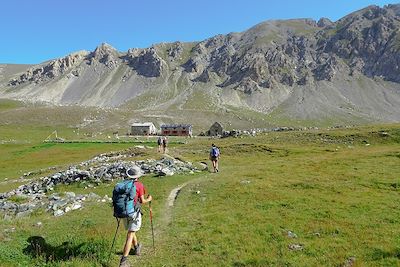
(299, 69)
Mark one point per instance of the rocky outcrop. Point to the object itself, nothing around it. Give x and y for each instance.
(175, 51)
(324, 22)
(146, 62)
(105, 54)
(52, 70)
(368, 41)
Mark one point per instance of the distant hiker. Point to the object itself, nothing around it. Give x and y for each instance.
(159, 142)
(214, 157)
(134, 221)
(164, 144)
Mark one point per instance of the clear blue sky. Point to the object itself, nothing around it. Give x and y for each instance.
(33, 31)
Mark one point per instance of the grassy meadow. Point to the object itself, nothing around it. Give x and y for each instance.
(301, 198)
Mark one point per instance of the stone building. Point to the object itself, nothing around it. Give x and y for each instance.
(145, 128)
(215, 130)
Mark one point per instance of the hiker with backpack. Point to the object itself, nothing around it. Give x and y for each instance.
(128, 196)
(214, 157)
(164, 144)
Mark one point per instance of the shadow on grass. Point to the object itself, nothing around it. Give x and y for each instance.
(38, 248)
(379, 254)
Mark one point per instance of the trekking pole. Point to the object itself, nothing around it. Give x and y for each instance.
(115, 235)
(151, 222)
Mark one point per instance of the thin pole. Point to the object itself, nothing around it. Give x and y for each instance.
(151, 222)
(115, 235)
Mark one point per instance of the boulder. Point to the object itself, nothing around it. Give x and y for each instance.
(58, 213)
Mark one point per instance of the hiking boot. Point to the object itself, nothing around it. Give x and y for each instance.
(137, 249)
(124, 262)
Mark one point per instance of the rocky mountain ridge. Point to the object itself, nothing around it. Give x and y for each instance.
(273, 65)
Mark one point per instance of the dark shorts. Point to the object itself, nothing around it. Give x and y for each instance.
(214, 158)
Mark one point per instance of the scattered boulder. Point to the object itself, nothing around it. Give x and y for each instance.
(349, 262)
(383, 134)
(165, 172)
(76, 206)
(204, 166)
(296, 247)
(290, 234)
(58, 213)
(317, 234)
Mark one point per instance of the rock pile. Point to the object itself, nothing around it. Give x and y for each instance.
(101, 169)
(254, 132)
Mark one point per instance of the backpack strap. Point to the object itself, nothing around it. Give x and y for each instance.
(130, 192)
(137, 206)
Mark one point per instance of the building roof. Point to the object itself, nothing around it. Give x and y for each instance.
(175, 125)
(216, 124)
(143, 124)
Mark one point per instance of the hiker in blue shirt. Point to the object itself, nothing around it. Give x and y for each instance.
(214, 157)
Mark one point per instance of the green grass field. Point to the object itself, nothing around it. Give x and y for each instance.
(336, 190)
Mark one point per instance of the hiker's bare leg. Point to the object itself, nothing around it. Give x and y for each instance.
(216, 165)
(130, 237)
(134, 240)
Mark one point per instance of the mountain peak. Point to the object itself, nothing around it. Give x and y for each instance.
(324, 22)
(105, 54)
(258, 68)
(105, 46)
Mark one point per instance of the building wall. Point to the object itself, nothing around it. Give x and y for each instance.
(153, 129)
(176, 131)
(141, 130)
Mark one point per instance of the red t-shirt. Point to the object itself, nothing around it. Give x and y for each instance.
(139, 190)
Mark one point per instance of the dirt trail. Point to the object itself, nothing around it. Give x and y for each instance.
(174, 194)
(166, 214)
